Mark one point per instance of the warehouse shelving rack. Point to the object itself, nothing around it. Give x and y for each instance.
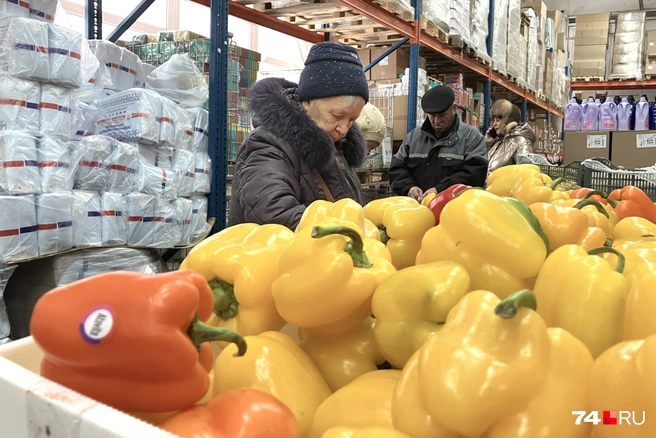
(311, 22)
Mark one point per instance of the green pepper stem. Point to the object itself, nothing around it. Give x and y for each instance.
(226, 305)
(585, 202)
(384, 238)
(355, 248)
(531, 219)
(606, 250)
(555, 183)
(199, 332)
(508, 308)
(612, 202)
(595, 193)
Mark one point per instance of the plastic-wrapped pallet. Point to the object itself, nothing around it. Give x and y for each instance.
(19, 164)
(56, 111)
(87, 219)
(522, 58)
(480, 10)
(14, 8)
(93, 170)
(58, 163)
(141, 209)
(121, 63)
(165, 230)
(43, 10)
(532, 61)
(185, 211)
(65, 52)
(156, 172)
(175, 126)
(550, 35)
(199, 119)
(18, 228)
(629, 48)
(437, 12)
(514, 40)
(23, 116)
(184, 163)
(131, 116)
(199, 225)
(180, 80)
(123, 167)
(459, 19)
(84, 120)
(24, 48)
(54, 215)
(114, 218)
(500, 40)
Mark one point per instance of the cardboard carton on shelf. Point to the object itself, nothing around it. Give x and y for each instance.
(579, 146)
(365, 59)
(633, 148)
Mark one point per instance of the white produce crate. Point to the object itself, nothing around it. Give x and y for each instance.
(32, 406)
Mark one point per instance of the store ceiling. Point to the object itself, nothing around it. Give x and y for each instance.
(573, 7)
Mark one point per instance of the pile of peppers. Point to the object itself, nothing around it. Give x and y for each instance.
(476, 313)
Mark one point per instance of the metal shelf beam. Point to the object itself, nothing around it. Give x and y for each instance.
(612, 85)
(129, 20)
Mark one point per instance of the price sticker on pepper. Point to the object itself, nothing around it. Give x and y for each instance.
(610, 418)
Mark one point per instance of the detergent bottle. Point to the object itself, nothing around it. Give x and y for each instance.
(573, 116)
(652, 116)
(642, 115)
(608, 117)
(624, 115)
(633, 112)
(590, 121)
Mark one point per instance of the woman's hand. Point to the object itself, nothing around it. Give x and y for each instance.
(415, 193)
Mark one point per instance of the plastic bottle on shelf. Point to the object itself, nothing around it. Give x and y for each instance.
(590, 119)
(573, 116)
(632, 101)
(608, 117)
(652, 116)
(642, 115)
(624, 115)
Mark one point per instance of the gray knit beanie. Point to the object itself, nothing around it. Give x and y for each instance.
(331, 70)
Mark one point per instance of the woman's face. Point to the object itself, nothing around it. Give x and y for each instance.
(335, 115)
(498, 124)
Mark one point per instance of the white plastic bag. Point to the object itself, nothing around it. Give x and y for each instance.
(180, 80)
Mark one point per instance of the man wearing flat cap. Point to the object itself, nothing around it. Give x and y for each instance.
(440, 153)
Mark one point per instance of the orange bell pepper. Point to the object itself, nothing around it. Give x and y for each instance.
(635, 203)
(240, 413)
(585, 193)
(130, 340)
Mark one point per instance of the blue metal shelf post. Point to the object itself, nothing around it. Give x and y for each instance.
(524, 110)
(487, 95)
(218, 111)
(93, 17)
(129, 20)
(414, 69)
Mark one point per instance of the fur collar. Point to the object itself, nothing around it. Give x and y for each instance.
(273, 100)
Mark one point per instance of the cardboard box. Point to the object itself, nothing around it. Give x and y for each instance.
(587, 18)
(579, 146)
(589, 68)
(590, 53)
(557, 17)
(539, 7)
(561, 41)
(591, 37)
(633, 148)
(365, 59)
(391, 66)
(651, 43)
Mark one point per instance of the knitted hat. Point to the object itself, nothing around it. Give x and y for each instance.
(331, 70)
(372, 123)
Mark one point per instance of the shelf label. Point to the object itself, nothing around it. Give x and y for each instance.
(596, 142)
(383, 62)
(646, 141)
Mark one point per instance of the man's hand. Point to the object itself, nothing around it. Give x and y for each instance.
(415, 193)
(429, 191)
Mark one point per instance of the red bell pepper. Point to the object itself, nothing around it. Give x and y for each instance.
(585, 193)
(439, 202)
(130, 340)
(635, 203)
(240, 413)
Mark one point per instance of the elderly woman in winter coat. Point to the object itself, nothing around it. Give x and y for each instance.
(507, 137)
(305, 145)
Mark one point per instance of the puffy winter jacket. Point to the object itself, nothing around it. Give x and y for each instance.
(274, 178)
(503, 150)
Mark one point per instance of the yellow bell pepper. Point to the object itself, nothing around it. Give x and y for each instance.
(635, 254)
(240, 263)
(633, 229)
(365, 402)
(531, 189)
(639, 321)
(597, 214)
(402, 225)
(274, 363)
(565, 226)
(320, 211)
(582, 294)
(488, 362)
(559, 195)
(371, 231)
(367, 432)
(498, 241)
(427, 200)
(412, 304)
(623, 378)
(342, 358)
(565, 390)
(327, 277)
(503, 180)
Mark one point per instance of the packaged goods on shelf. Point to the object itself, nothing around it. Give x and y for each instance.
(202, 173)
(24, 48)
(175, 126)
(590, 44)
(480, 10)
(500, 40)
(58, 161)
(131, 115)
(18, 228)
(532, 60)
(459, 20)
(184, 208)
(140, 206)
(54, 215)
(629, 47)
(184, 162)
(157, 176)
(43, 10)
(114, 216)
(199, 225)
(122, 64)
(164, 231)
(9, 8)
(180, 80)
(87, 222)
(56, 111)
(522, 50)
(19, 164)
(513, 38)
(65, 56)
(23, 117)
(199, 118)
(5, 328)
(437, 12)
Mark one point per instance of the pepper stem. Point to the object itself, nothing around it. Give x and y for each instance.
(531, 219)
(606, 250)
(555, 183)
(593, 202)
(355, 248)
(226, 305)
(199, 332)
(612, 202)
(595, 193)
(508, 308)
(384, 238)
